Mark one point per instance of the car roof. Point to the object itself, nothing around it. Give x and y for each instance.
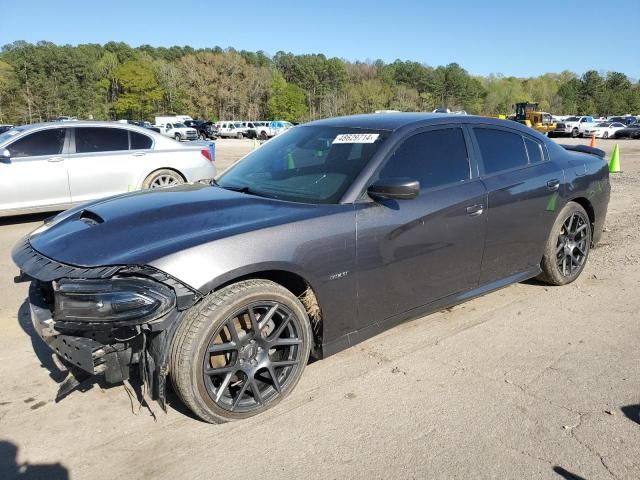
(396, 121)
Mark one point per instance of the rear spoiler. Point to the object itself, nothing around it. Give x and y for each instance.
(585, 149)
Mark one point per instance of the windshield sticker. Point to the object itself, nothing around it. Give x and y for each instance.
(356, 138)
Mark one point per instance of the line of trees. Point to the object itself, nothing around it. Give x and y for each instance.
(42, 81)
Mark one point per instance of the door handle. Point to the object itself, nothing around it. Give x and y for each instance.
(553, 185)
(55, 159)
(139, 154)
(475, 210)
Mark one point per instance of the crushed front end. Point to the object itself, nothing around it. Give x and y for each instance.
(107, 321)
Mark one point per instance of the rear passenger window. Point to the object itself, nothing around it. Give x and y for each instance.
(96, 139)
(534, 150)
(500, 150)
(140, 141)
(434, 158)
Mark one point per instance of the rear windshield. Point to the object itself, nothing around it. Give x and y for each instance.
(311, 164)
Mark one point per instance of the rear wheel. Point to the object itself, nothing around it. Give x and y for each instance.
(605, 135)
(163, 178)
(241, 351)
(568, 246)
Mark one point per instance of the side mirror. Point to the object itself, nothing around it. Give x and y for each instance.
(398, 188)
(5, 154)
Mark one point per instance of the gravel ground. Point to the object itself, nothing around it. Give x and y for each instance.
(527, 382)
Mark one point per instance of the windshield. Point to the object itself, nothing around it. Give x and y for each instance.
(10, 134)
(604, 124)
(314, 164)
(179, 125)
(572, 119)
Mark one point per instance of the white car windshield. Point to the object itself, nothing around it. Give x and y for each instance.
(179, 125)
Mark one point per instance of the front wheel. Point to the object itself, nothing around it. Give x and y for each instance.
(568, 246)
(178, 137)
(263, 135)
(575, 132)
(241, 351)
(605, 135)
(239, 136)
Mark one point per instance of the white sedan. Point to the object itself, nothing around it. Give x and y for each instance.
(603, 130)
(53, 166)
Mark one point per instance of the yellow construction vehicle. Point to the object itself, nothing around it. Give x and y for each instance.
(529, 115)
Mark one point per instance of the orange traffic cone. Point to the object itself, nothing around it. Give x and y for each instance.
(593, 141)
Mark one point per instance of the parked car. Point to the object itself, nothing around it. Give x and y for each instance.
(48, 167)
(178, 131)
(631, 131)
(626, 120)
(205, 129)
(230, 130)
(253, 128)
(326, 235)
(603, 130)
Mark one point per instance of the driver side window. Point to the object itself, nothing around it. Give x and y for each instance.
(44, 142)
(435, 158)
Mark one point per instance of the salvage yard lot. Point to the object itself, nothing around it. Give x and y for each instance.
(528, 382)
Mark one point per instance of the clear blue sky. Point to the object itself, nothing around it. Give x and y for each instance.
(520, 38)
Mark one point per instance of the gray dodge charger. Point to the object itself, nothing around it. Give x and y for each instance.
(324, 236)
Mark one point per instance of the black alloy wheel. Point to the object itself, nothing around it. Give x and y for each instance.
(240, 351)
(568, 246)
(253, 356)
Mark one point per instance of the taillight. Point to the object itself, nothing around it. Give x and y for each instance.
(206, 153)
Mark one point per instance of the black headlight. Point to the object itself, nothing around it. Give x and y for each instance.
(131, 300)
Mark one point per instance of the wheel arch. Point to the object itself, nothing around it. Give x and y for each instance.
(586, 204)
(299, 286)
(157, 169)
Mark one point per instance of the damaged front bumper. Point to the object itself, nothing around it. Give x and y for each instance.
(112, 360)
(114, 349)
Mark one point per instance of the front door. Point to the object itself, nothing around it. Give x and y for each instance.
(35, 175)
(413, 252)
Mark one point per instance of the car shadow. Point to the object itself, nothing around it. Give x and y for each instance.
(567, 475)
(29, 218)
(10, 469)
(632, 412)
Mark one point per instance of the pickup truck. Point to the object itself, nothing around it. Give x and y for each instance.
(178, 131)
(573, 126)
(271, 129)
(205, 129)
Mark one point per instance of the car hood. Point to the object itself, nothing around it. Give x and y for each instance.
(144, 226)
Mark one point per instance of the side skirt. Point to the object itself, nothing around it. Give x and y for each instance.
(353, 338)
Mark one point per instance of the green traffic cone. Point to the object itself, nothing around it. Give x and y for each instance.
(614, 164)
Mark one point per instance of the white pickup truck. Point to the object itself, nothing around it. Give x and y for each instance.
(178, 131)
(573, 126)
(271, 129)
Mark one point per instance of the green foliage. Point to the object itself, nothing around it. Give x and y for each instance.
(43, 80)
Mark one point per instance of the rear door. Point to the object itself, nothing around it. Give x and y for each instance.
(523, 188)
(35, 176)
(413, 252)
(103, 163)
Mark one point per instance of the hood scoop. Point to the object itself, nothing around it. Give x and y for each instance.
(91, 218)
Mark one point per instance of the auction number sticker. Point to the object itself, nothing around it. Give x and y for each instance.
(356, 138)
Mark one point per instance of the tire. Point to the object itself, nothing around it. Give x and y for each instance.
(239, 136)
(570, 239)
(263, 135)
(202, 136)
(178, 137)
(605, 135)
(163, 178)
(574, 133)
(236, 380)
